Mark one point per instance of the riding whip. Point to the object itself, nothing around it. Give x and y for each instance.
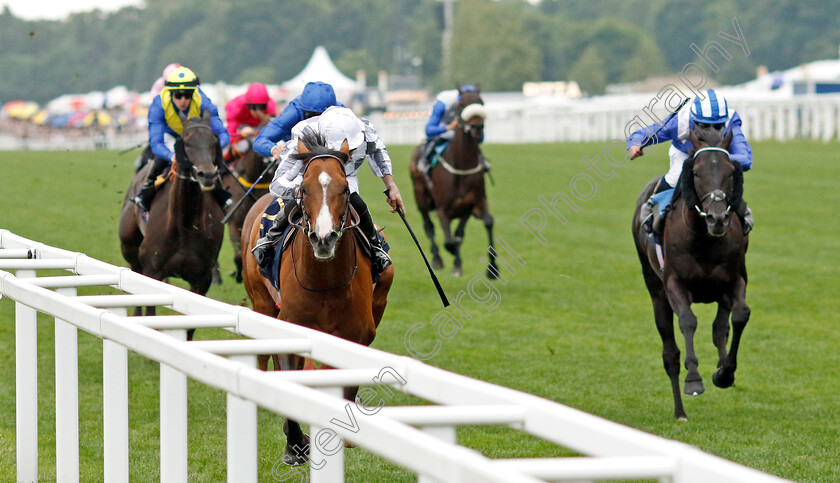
(429, 267)
(239, 203)
(651, 138)
(132, 148)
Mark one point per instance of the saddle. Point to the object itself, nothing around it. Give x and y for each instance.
(271, 269)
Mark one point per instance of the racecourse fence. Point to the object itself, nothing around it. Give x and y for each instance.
(605, 118)
(419, 438)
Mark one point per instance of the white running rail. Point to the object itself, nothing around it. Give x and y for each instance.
(419, 438)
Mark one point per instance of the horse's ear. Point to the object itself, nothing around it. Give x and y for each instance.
(345, 147)
(182, 117)
(302, 149)
(694, 139)
(727, 140)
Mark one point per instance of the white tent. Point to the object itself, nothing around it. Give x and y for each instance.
(321, 68)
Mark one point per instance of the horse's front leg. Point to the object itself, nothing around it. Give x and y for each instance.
(720, 332)
(429, 228)
(297, 443)
(457, 269)
(448, 242)
(664, 317)
(724, 375)
(681, 305)
(492, 268)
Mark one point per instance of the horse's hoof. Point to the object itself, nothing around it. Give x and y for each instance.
(694, 388)
(682, 418)
(491, 275)
(297, 455)
(723, 379)
(437, 264)
(292, 459)
(457, 272)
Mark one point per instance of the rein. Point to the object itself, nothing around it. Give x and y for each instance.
(716, 195)
(324, 289)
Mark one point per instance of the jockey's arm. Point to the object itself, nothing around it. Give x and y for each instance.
(646, 136)
(394, 197)
(739, 148)
(157, 128)
(286, 179)
(434, 127)
(278, 129)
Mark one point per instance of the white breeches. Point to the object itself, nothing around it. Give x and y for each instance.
(677, 159)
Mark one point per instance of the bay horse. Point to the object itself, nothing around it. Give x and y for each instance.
(704, 249)
(183, 234)
(455, 185)
(325, 277)
(242, 175)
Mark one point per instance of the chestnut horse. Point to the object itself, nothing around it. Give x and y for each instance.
(455, 185)
(183, 234)
(704, 250)
(325, 277)
(240, 177)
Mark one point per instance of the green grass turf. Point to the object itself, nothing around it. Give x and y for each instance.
(574, 325)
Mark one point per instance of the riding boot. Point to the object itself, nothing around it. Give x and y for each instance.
(379, 258)
(423, 162)
(265, 246)
(647, 214)
(144, 197)
(745, 216)
(222, 197)
(485, 162)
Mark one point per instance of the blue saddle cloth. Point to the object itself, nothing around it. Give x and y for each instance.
(663, 199)
(271, 271)
(437, 151)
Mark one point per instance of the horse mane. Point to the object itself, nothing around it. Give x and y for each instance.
(317, 146)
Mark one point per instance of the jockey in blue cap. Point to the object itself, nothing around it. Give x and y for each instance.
(707, 111)
(442, 123)
(180, 96)
(315, 99)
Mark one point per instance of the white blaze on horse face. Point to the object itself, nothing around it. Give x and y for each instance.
(324, 222)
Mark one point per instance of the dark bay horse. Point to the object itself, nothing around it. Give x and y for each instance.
(455, 185)
(241, 176)
(325, 277)
(183, 234)
(704, 248)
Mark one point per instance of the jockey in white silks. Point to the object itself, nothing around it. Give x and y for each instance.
(335, 125)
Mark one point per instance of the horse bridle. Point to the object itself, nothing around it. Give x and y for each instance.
(193, 176)
(304, 226)
(716, 195)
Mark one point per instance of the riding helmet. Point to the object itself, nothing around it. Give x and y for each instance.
(710, 110)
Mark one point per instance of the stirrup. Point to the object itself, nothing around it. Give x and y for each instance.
(380, 260)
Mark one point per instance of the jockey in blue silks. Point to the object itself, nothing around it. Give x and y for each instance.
(336, 124)
(180, 95)
(442, 123)
(712, 111)
(315, 99)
